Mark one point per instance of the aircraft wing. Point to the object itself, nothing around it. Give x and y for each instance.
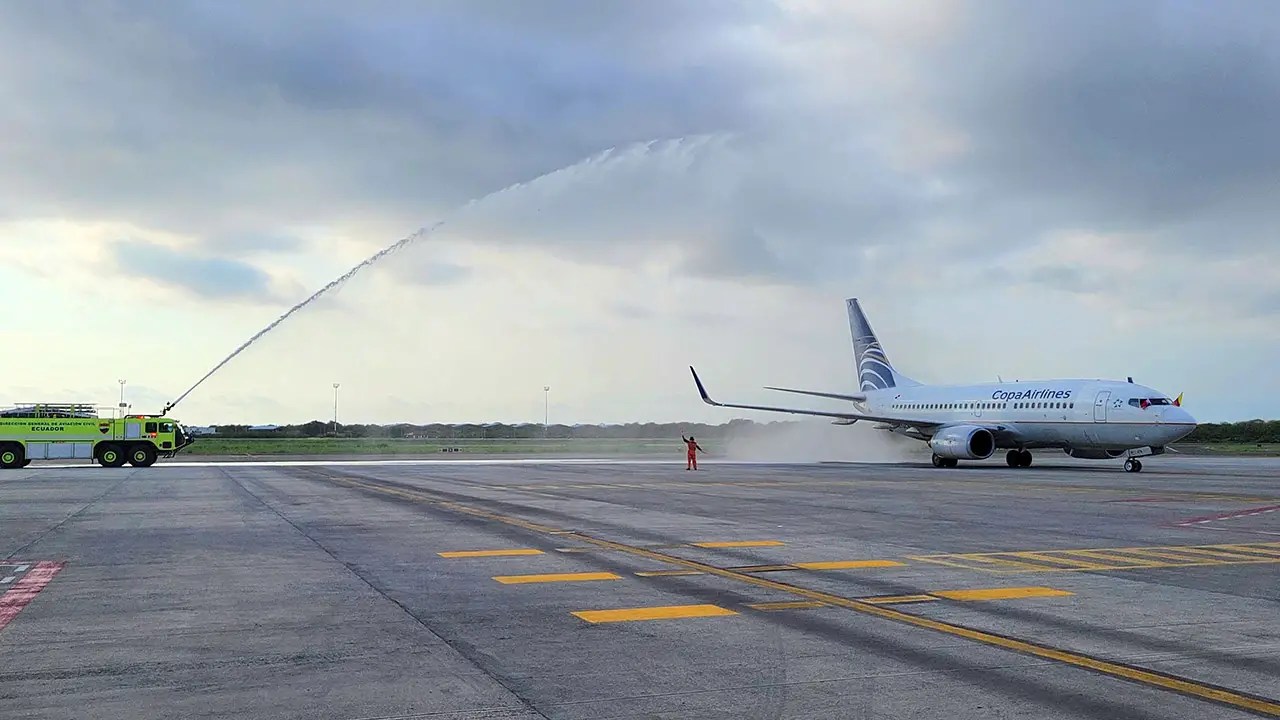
(706, 398)
(833, 396)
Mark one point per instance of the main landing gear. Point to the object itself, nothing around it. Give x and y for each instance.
(1018, 458)
(941, 462)
(1133, 465)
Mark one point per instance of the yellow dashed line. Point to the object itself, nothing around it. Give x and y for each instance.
(1229, 556)
(739, 544)
(1126, 558)
(1053, 561)
(1264, 552)
(489, 553)
(1000, 593)
(1115, 560)
(560, 577)
(847, 564)
(1151, 678)
(669, 612)
(1001, 560)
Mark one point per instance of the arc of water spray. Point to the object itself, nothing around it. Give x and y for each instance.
(601, 157)
(422, 232)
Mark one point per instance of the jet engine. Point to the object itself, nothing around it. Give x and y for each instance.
(963, 442)
(1093, 453)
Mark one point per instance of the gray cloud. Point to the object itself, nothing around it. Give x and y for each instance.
(208, 277)
(1149, 116)
(230, 121)
(195, 114)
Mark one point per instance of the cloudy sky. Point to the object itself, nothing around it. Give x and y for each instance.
(1025, 189)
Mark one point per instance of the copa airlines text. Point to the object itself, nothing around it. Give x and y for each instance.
(1091, 419)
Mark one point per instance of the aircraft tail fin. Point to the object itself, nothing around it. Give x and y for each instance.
(874, 370)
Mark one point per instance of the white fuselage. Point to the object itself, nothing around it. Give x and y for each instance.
(1097, 414)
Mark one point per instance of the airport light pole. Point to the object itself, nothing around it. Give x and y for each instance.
(546, 409)
(335, 408)
(122, 384)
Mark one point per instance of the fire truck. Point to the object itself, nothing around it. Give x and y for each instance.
(69, 431)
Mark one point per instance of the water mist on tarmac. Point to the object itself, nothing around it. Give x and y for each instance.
(679, 149)
(813, 441)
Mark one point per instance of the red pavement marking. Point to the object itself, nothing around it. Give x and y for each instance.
(1228, 516)
(25, 590)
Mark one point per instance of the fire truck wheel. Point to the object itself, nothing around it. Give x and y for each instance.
(11, 456)
(142, 456)
(110, 456)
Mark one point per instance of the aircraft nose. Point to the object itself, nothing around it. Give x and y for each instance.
(1179, 420)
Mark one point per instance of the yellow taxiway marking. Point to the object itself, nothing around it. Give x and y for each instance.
(556, 577)
(669, 612)
(489, 553)
(1070, 563)
(668, 573)
(1153, 678)
(847, 564)
(895, 599)
(739, 544)
(787, 605)
(1265, 552)
(1119, 558)
(1224, 554)
(764, 568)
(1000, 593)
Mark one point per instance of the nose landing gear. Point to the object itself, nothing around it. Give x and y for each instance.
(1133, 465)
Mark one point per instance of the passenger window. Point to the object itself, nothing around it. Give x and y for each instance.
(166, 427)
(151, 428)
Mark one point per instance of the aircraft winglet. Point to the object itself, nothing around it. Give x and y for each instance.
(701, 389)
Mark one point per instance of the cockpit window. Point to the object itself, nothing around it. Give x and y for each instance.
(1147, 402)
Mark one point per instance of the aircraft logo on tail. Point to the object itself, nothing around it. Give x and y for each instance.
(874, 370)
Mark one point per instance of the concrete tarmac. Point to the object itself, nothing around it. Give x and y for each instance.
(570, 590)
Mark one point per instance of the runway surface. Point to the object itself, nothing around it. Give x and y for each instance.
(595, 589)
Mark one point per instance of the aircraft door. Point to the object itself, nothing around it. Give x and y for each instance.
(1100, 406)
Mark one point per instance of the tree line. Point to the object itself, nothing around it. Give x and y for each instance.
(493, 431)
(1250, 431)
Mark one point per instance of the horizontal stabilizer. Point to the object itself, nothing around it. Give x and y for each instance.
(814, 393)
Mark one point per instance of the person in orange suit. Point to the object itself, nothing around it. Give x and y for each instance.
(694, 449)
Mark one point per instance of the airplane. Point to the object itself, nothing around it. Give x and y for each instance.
(1089, 419)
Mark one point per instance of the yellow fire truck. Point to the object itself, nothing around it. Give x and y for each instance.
(60, 431)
